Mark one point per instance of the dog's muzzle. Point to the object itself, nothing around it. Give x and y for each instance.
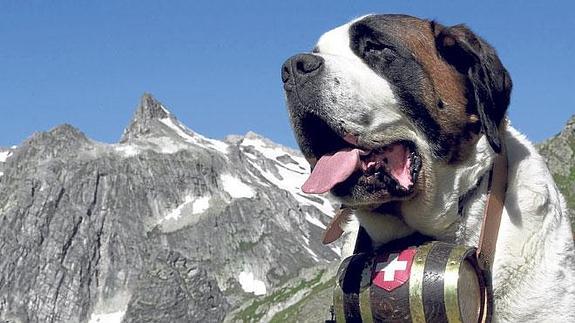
(302, 76)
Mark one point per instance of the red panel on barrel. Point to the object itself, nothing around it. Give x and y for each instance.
(392, 269)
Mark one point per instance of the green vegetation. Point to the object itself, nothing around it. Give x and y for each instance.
(257, 309)
(559, 151)
(290, 313)
(566, 185)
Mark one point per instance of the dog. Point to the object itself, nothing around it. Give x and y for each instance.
(400, 119)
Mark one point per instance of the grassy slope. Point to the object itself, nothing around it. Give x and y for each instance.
(559, 152)
(296, 292)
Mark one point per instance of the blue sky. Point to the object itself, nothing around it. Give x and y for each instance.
(215, 64)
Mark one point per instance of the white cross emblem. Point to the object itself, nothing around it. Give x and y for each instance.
(390, 267)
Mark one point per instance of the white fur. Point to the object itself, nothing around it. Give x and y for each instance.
(534, 269)
(532, 281)
(449, 183)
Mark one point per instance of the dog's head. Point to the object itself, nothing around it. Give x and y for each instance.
(383, 102)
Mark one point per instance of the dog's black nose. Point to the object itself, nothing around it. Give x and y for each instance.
(301, 65)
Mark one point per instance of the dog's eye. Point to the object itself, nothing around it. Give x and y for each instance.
(375, 48)
(370, 47)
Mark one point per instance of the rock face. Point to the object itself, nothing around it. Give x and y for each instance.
(559, 153)
(165, 226)
(173, 284)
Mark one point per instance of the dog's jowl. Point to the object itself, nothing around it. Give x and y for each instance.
(400, 119)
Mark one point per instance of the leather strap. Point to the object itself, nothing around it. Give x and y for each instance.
(497, 187)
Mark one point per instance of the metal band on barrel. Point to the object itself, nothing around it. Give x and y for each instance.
(365, 306)
(338, 304)
(416, 283)
(451, 279)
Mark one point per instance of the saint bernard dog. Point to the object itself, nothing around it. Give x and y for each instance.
(400, 119)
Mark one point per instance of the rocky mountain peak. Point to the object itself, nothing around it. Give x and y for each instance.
(146, 118)
(57, 141)
(150, 108)
(67, 132)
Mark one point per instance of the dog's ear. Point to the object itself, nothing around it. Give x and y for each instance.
(488, 82)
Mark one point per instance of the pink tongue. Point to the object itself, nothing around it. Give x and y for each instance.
(331, 170)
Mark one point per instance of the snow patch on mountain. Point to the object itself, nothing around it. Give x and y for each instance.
(292, 170)
(275, 152)
(291, 181)
(336, 249)
(127, 150)
(194, 138)
(165, 110)
(314, 221)
(4, 155)
(167, 145)
(201, 205)
(115, 317)
(177, 212)
(312, 253)
(196, 205)
(250, 284)
(235, 187)
(163, 145)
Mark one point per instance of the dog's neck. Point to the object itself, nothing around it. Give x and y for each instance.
(438, 212)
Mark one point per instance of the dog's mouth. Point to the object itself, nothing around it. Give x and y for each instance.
(386, 172)
(394, 167)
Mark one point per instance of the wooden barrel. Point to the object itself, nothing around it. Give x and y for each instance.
(435, 282)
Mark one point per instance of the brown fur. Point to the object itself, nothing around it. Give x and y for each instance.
(445, 92)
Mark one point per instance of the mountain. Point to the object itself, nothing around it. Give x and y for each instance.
(559, 153)
(164, 226)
